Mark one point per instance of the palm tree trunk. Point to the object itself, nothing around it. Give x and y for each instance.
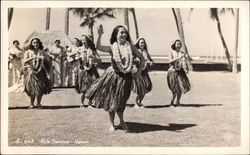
(235, 70)
(178, 20)
(126, 21)
(66, 28)
(91, 32)
(135, 21)
(10, 15)
(224, 43)
(47, 19)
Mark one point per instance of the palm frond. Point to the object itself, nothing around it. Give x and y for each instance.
(224, 10)
(95, 10)
(214, 13)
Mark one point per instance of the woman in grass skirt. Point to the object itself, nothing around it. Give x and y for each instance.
(142, 83)
(112, 90)
(36, 63)
(177, 79)
(87, 72)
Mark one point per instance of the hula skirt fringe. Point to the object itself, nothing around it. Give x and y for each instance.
(84, 79)
(36, 84)
(111, 91)
(142, 84)
(178, 81)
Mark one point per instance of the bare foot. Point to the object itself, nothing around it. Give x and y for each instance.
(31, 107)
(81, 105)
(136, 106)
(112, 129)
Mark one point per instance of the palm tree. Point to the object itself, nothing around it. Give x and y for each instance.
(235, 70)
(91, 15)
(135, 22)
(66, 28)
(47, 18)
(215, 16)
(10, 15)
(126, 19)
(178, 20)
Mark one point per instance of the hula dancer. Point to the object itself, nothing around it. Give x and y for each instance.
(177, 79)
(112, 90)
(36, 63)
(142, 83)
(87, 72)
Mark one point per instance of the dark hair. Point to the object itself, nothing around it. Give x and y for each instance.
(90, 43)
(137, 44)
(173, 45)
(78, 40)
(57, 40)
(39, 41)
(114, 34)
(15, 41)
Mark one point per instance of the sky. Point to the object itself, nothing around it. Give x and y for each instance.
(156, 25)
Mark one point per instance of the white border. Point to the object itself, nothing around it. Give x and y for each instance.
(244, 44)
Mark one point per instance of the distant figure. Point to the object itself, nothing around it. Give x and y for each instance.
(15, 62)
(87, 72)
(177, 79)
(56, 53)
(35, 65)
(142, 83)
(112, 90)
(72, 62)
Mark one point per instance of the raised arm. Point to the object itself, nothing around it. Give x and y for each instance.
(99, 45)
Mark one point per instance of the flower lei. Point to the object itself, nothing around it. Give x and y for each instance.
(35, 63)
(85, 53)
(144, 53)
(123, 51)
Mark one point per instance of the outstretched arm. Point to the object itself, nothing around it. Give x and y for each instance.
(99, 45)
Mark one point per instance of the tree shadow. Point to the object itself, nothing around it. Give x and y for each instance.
(135, 127)
(46, 107)
(181, 105)
(157, 106)
(197, 105)
(130, 105)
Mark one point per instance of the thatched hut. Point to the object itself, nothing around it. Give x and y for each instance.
(47, 37)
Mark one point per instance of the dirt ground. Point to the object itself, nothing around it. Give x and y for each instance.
(209, 116)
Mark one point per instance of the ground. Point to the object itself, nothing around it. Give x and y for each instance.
(209, 117)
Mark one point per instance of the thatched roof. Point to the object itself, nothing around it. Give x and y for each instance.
(47, 37)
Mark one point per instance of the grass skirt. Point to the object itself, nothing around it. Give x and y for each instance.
(178, 81)
(36, 84)
(111, 91)
(85, 78)
(142, 84)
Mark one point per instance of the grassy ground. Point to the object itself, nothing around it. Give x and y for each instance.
(209, 116)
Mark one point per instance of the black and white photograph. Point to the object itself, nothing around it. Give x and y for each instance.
(125, 77)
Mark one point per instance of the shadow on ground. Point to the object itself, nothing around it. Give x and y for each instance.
(135, 127)
(182, 105)
(46, 107)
